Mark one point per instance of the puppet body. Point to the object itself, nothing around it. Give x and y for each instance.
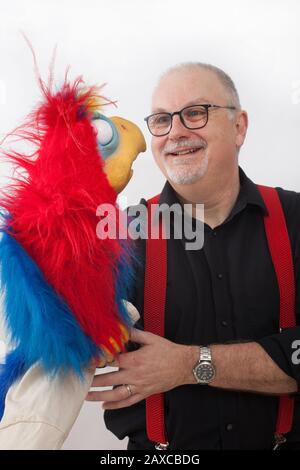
(62, 286)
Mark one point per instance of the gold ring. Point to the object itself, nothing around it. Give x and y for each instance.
(128, 390)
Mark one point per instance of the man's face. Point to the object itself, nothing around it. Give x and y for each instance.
(185, 156)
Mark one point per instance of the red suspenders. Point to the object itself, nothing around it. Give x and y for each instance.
(281, 253)
(155, 295)
(154, 318)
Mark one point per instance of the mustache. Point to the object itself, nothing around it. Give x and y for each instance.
(172, 147)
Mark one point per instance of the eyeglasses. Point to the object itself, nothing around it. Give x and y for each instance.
(192, 117)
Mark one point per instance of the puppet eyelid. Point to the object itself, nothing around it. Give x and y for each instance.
(107, 135)
(104, 131)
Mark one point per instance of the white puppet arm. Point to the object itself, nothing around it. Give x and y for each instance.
(40, 411)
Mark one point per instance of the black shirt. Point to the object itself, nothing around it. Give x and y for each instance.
(227, 291)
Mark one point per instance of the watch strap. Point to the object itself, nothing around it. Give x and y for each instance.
(205, 354)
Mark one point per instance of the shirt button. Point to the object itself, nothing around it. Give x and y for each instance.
(224, 323)
(214, 234)
(229, 427)
(220, 275)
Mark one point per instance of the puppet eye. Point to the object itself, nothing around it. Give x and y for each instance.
(107, 135)
(104, 131)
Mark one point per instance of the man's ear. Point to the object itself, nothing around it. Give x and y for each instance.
(241, 128)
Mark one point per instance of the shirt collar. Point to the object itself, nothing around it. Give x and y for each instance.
(248, 195)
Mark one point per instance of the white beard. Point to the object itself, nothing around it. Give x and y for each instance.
(187, 170)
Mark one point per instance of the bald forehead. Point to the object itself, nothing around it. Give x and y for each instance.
(184, 87)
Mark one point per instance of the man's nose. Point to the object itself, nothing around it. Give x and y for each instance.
(177, 129)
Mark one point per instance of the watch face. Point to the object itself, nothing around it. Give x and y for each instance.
(204, 372)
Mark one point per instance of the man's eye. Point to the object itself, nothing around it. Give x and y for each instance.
(194, 113)
(160, 120)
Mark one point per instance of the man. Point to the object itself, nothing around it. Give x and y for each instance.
(224, 295)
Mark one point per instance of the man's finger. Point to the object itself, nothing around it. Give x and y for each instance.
(141, 337)
(117, 394)
(109, 379)
(115, 405)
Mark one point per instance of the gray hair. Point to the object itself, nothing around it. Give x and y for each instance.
(226, 81)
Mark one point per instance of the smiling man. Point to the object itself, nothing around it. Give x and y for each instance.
(223, 362)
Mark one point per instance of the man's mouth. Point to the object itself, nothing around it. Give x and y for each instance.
(184, 152)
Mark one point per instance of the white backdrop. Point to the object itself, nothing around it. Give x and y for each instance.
(128, 44)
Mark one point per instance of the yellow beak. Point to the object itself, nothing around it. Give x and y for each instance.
(131, 142)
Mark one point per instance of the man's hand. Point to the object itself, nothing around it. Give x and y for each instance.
(158, 366)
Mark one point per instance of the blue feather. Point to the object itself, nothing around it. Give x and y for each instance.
(38, 320)
(126, 277)
(123, 286)
(10, 371)
(40, 324)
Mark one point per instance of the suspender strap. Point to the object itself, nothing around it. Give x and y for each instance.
(280, 249)
(154, 316)
(155, 297)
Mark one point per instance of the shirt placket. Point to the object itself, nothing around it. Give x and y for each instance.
(227, 402)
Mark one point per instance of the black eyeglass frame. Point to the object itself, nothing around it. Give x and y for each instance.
(206, 106)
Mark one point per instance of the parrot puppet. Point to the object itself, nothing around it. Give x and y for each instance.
(62, 287)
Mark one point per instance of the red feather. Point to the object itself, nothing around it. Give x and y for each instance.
(53, 210)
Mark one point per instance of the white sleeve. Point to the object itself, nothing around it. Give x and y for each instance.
(40, 411)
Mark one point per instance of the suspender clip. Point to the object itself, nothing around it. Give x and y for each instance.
(160, 446)
(279, 440)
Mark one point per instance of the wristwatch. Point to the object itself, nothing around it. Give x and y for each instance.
(204, 370)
